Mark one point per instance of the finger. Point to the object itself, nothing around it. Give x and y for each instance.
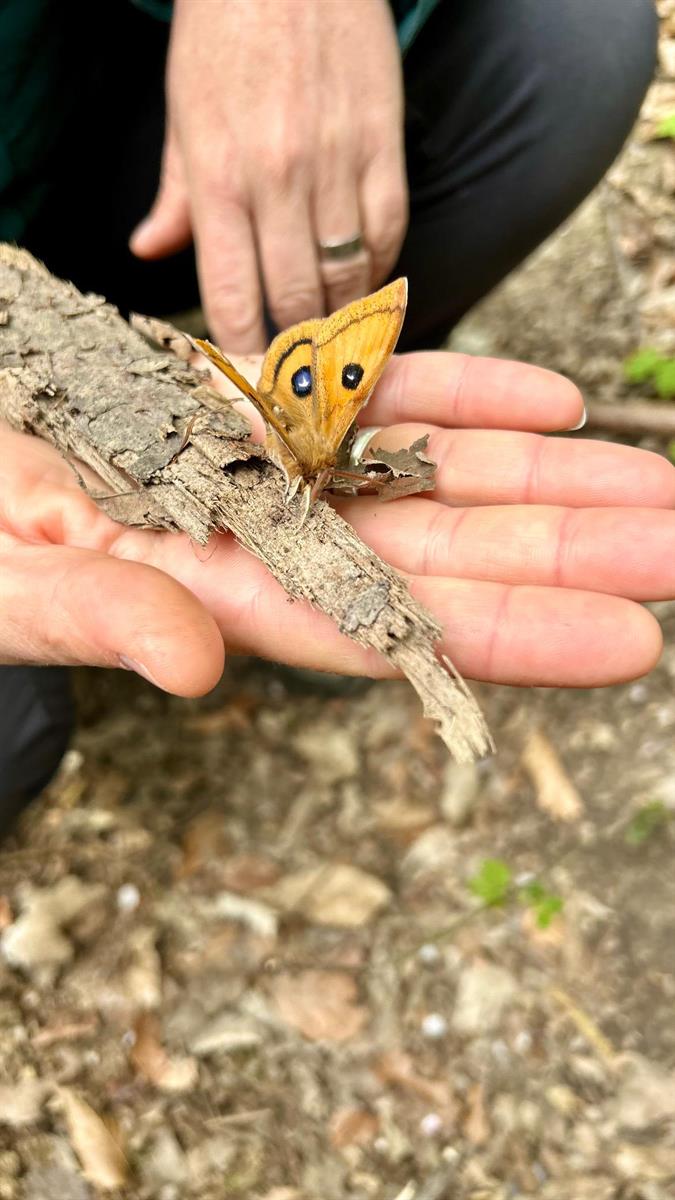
(251, 608)
(458, 390)
(477, 466)
(228, 273)
(623, 551)
(288, 256)
(384, 206)
(494, 632)
(167, 228)
(64, 606)
(537, 636)
(337, 218)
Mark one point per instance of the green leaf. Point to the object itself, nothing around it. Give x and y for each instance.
(646, 821)
(492, 882)
(544, 903)
(549, 907)
(641, 366)
(666, 127)
(664, 378)
(670, 451)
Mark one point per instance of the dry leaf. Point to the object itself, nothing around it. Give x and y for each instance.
(143, 975)
(352, 1127)
(320, 1004)
(151, 1060)
(332, 894)
(99, 1152)
(475, 1125)
(236, 714)
(6, 914)
(204, 840)
(555, 792)
(248, 872)
(397, 1068)
(395, 473)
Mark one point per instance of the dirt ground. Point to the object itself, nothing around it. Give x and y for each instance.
(242, 951)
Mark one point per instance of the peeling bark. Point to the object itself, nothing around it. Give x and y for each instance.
(74, 372)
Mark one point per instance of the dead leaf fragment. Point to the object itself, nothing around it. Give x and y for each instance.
(397, 1068)
(332, 894)
(143, 976)
(21, 1103)
(204, 840)
(475, 1125)
(152, 1061)
(554, 790)
(352, 1127)
(407, 471)
(99, 1151)
(320, 1004)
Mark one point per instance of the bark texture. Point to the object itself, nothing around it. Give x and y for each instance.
(74, 372)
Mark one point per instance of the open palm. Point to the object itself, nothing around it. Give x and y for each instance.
(534, 552)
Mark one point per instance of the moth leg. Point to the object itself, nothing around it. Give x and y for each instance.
(292, 486)
(320, 483)
(306, 505)
(186, 438)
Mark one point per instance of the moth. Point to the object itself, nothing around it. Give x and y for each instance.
(315, 379)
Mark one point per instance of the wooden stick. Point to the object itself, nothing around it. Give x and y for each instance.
(632, 417)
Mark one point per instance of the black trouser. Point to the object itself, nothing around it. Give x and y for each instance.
(515, 109)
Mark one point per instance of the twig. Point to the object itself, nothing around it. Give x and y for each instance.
(633, 417)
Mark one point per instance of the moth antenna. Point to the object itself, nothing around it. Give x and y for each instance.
(240, 381)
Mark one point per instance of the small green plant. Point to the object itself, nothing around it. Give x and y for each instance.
(640, 366)
(493, 883)
(670, 450)
(647, 821)
(651, 366)
(666, 127)
(544, 904)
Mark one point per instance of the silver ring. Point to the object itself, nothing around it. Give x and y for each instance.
(338, 249)
(364, 436)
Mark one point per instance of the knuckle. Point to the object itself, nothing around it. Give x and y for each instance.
(296, 304)
(235, 312)
(285, 165)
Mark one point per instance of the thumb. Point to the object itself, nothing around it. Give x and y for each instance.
(167, 228)
(64, 606)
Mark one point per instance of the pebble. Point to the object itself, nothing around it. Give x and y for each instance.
(128, 898)
(434, 1026)
(429, 954)
(431, 1124)
(483, 992)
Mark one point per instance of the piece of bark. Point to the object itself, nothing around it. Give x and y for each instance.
(73, 372)
(636, 417)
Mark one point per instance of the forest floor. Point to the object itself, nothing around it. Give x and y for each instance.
(252, 945)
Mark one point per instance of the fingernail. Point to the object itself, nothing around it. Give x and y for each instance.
(130, 664)
(580, 425)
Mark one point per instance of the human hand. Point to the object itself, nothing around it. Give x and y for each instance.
(285, 127)
(531, 553)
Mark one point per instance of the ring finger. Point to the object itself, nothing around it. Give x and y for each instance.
(337, 221)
